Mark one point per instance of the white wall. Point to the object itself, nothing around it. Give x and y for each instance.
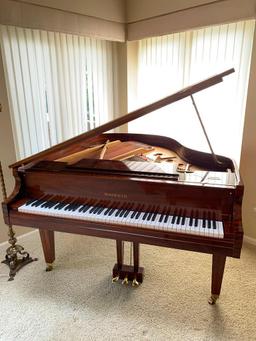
(25, 14)
(144, 9)
(113, 10)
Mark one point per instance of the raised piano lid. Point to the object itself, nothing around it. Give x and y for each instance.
(188, 91)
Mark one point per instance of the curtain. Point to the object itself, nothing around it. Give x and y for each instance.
(59, 85)
(169, 63)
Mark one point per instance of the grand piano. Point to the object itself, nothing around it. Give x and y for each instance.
(143, 189)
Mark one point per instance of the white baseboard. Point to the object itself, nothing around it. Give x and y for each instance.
(250, 240)
(19, 237)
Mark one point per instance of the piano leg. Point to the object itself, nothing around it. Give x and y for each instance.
(47, 240)
(120, 258)
(136, 249)
(218, 266)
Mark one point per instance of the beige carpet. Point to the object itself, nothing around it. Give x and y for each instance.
(77, 301)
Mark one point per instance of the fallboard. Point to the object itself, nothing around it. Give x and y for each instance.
(127, 189)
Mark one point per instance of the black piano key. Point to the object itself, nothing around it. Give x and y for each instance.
(204, 220)
(44, 204)
(162, 217)
(96, 208)
(86, 208)
(118, 212)
(133, 214)
(126, 213)
(102, 208)
(191, 218)
(166, 218)
(92, 209)
(183, 220)
(196, 222)
(75, 207)
(136, 211)
(111, 211)
(209, 225)
(178, 219)
(138, 214)
(122, 213)
(214, 226)
(154, 216)
(107, 211)
(38, 202)
(144, 215)
(30, 201)
(81, 208)
(50, 204)
(150, 215)
(67, 208)
(60, 205)
(173, 218)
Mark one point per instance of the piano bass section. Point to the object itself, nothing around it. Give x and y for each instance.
(133, 187)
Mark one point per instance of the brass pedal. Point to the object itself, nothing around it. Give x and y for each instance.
(135, 283)
(115, 279)
(125, 280)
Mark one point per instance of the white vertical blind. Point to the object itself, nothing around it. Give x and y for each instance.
(59, 85)
(169, 63)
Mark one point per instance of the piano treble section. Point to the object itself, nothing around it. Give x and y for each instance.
(143, 217)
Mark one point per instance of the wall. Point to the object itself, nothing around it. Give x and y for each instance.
(112, 10)
(248, 164)
(154, 18)
(106, 25)
(7, 152)
(145, 9)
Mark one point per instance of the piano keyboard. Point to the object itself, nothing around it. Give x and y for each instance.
(138, 217)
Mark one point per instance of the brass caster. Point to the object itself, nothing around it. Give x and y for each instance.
(115, 279)
(135, 283)
(212, 300)
(49, 267)
(125, 280)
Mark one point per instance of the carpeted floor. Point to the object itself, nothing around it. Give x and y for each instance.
(77, 301)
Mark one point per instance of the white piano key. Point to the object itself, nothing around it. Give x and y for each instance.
(126, 219)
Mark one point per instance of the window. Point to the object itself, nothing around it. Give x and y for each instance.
(169, 63)
(59, 85)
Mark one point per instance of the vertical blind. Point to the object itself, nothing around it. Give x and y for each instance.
(59, 85)
(169, 63)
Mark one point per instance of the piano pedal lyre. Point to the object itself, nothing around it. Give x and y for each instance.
(212, 300)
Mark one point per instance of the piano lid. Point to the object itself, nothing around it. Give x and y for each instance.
(188, 91)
